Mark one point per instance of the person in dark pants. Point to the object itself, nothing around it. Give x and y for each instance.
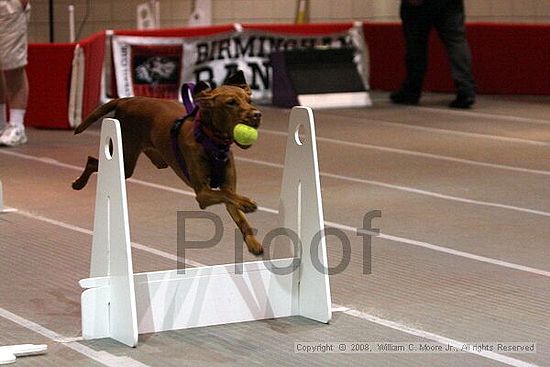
(447, 17)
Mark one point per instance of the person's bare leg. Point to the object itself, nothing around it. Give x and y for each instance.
(17, 87)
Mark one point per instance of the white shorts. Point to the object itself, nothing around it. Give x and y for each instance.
(13, 34)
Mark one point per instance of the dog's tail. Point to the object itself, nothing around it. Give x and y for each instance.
(97, 114)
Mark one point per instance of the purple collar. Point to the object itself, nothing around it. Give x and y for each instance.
(216, 148)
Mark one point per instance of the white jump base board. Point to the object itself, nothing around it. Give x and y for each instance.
(202, 296)
(335, 100)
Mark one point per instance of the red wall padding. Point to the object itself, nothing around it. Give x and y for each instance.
(507, 58)
(511, 59)
(177, 32)
(94, 55)
(305, 29)
(49, 73)
(386, 52)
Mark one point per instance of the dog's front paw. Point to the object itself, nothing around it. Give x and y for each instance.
(246, 205)
(253, 245)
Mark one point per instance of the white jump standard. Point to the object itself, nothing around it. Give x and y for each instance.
(119, 304)
(3, 209)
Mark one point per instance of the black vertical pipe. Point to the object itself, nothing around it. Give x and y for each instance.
(50, 8)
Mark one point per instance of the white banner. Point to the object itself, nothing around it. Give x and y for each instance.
(157, 66)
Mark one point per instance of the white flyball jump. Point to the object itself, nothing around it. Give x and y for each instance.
(119, 304)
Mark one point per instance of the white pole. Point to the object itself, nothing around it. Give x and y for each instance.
(157, 14)
(71, 24)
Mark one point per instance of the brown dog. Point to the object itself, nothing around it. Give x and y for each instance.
(147, 124)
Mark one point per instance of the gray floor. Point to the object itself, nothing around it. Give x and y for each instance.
(462, 256)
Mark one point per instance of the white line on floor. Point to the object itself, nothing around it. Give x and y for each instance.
(467, 134)
(437, 338)
(102, 357)
(341, 226)
(491, 116)
(409, 189)
(415, 153)
(323, 174)
(426, 245)
(336, 308)
(439, 130)
(85, 231)
(469, 113)
(446, 250)
(421, 154)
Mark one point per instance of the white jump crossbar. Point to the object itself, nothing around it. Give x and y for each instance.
(119, 304)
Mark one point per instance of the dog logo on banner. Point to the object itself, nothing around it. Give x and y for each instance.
(156, 70)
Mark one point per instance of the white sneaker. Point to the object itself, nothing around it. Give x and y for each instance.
(13, 136)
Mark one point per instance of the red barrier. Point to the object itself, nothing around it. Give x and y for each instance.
(511, 58)
(303, 29)
(507, 58)
(94, 55)
(49, 73)
(386, 51)
(177, 32)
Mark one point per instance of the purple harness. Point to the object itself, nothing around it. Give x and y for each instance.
(216, 149)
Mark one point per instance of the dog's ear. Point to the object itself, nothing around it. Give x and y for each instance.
(201, 87)
(236, 79)
(202, 94)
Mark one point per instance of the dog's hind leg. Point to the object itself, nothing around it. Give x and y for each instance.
(92, 166)
(131, 152)
(238, 216)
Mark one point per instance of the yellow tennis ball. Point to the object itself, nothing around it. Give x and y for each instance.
(244, 134)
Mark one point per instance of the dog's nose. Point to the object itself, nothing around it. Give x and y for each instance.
(256, 117)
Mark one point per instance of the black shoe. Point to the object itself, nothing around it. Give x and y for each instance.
(463, 101)
(402, 97)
